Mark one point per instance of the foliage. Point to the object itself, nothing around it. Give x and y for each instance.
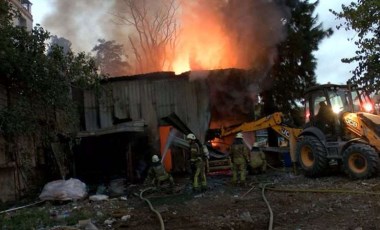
(44, 217)
(294, 68)
(110, 58)
(363, 16)
(38, 82)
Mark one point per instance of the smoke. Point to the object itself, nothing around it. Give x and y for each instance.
(237, 33)
(213, 34)
(83, 22)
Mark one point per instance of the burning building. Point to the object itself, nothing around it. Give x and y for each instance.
(127, 122)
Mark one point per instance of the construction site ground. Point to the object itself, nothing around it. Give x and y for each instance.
(331, 202)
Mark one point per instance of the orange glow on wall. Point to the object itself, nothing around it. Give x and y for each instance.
(164, 135)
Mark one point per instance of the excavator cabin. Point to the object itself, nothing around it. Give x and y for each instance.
(326, 104)
(341, 128)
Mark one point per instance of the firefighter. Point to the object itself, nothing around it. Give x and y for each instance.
(239, 153)
(258, 161)
(157, 173)
(198, 161)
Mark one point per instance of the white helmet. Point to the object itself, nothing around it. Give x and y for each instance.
(155, 159)
(190, 136)
(239, 135)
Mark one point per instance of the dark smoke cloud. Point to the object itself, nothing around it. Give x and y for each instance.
(253, 27)
(82, 22)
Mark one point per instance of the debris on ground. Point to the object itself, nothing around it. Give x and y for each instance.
(298, 202)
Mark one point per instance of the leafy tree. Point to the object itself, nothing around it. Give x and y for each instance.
(110, 58)
(363, 16)
(38, 83)
(294, 68)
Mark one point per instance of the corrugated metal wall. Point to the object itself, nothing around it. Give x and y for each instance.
(150, 98)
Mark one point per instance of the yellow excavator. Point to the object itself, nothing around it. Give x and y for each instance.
(341, 127)
(276, 121)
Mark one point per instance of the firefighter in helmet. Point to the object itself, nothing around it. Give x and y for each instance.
(239, 153)
(157, 173)
(198, 162)
(258, 160)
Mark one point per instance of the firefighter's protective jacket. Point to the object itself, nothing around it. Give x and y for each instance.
(196, 153)
(239, 152)
(158, 172)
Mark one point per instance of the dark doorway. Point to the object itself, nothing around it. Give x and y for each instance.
(100, 159)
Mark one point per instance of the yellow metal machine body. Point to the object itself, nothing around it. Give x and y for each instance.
(274, 121)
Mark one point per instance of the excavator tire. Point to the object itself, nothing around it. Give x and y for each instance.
(360, 161)
(311, 155)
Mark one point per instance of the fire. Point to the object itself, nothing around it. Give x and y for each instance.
(205, 42)
(180, 35)
(368, 107)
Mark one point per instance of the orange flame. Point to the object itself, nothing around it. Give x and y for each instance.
(204, 42)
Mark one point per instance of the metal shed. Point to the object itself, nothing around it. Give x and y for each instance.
(197, 98)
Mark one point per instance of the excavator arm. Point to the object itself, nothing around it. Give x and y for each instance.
(274, 121)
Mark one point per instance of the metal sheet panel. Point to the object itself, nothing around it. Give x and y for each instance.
(134, 99)
(106, 108)
(90, 110)
(120, 100)
(152, 99)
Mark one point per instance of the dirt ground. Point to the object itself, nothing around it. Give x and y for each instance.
(332, 202)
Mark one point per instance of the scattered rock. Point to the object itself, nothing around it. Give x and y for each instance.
(126, 217)
(163, 208)
(98, 197)
(100, 214)
(109, 221)
(246, 216)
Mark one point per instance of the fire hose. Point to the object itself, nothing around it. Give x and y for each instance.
(25, 206)
(264, 187)
(151, 207)
(270, 227)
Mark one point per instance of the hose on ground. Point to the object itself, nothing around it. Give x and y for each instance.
(151, 207)
(25, 206)
(270, 227)
(264, 186)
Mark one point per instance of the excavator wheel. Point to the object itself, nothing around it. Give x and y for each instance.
(360, 161)
(311, 155)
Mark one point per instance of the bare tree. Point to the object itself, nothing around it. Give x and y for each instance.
(156, 32)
